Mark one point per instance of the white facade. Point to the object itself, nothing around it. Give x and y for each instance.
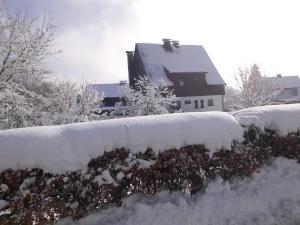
(201, 103)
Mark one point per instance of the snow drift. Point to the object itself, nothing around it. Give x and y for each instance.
(70, 147)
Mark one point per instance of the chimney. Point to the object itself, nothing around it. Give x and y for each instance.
(175, 43)
(130, 57)
(278, 75)
(167, 44)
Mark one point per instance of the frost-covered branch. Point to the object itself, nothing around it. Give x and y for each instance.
(71, 103)
(253, 88)
(24, 45)
(27, 97)
(146, 99)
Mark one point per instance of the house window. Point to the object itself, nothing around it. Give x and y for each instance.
(181, 83)
(176, 106)
(187, 102)
(210, 102)
(196, 104)
(202, 104)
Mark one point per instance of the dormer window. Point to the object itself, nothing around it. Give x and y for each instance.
(181, 83)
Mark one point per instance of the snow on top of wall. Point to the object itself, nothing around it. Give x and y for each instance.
(185, 58)
(109, 90)
(270, 197)
(281, 118)
(70, 147)
(286, 81)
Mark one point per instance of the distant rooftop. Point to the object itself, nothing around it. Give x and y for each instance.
(109, 90)
(286, 81)
(182, 59)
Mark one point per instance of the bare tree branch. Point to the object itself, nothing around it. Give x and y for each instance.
(253, 89)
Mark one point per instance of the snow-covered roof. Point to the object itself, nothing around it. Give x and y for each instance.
(157, 75)
(184, 59)
(286, 81)
(109, 90)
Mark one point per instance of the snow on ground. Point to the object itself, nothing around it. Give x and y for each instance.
(271, 197)
(70, 147)
(281, 118)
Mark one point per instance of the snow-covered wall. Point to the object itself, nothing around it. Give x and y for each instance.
(281, 118)
(70, 147)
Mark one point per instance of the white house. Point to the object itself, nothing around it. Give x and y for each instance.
(186, 69)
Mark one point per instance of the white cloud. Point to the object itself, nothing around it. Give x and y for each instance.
(94, 34)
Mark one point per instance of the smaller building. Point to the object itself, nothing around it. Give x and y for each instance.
(112, 94)
(290, 86)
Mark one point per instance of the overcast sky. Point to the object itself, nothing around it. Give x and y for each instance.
(94, 34)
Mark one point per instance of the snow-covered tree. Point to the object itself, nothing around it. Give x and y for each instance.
(254, 89)
(146, 99)
(27, 96)
(19, 107)
(24, 46)
(72, 103)
(231, 99)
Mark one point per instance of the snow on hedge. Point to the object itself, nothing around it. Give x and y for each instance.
(281, 118)
(271, 197)
(70, 147)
